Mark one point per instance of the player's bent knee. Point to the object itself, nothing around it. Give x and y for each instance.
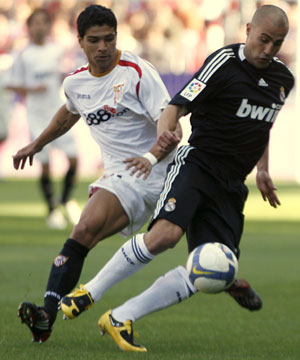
(162, 236)
(83, 234)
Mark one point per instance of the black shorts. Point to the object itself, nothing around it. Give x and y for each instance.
(202, 205)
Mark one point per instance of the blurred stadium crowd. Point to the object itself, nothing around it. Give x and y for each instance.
(174, 35)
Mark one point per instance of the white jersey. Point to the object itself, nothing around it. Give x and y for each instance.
(39, 66)
(121, 108)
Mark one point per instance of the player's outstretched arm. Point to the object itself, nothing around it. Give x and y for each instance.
(62, 121)
(264, 181)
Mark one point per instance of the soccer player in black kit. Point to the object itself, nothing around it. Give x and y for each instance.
(233, 100)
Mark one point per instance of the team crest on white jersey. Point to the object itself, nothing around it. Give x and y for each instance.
(118, 93)
(193, 89)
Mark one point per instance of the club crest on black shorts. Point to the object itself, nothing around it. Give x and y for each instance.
(170, 205)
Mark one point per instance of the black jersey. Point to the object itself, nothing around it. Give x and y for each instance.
(233, 106)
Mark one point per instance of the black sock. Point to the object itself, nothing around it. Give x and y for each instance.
(68, 184)
(64, 275)
(47, 190)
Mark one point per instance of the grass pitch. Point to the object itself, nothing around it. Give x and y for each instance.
(203, 327)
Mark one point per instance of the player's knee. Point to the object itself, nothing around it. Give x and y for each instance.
(83, 233)
(164, 235)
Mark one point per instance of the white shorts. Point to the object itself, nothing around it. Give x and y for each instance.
(137, 196)
(65, 143)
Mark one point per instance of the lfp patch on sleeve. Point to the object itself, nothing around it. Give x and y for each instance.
(193, 89)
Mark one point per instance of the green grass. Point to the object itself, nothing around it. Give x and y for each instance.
(203, 327)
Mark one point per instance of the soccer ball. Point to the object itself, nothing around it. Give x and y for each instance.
(212, 267)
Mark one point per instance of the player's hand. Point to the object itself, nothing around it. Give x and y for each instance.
(167, 140)
(265, 185)
(19, 160)
(139, 166)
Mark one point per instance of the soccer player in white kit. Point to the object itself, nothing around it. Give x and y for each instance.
(120, 97)
(36, 74)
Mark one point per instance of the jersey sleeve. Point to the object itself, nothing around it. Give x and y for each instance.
(153, 93)
(69, 104)
(206, 82)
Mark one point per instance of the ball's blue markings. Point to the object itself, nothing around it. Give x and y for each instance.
(199, 271)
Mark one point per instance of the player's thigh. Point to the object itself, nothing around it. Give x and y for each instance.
(136, 196)
(181, 196)
(102, 216)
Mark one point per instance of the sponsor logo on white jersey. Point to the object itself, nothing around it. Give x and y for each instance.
(193, 89)
(103, 115)
(258, 112)
(83, 96)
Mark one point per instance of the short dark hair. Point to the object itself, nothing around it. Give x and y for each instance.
(95, 15)
(36, 12)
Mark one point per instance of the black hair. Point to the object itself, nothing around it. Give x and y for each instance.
(95, 15)
(36, 12)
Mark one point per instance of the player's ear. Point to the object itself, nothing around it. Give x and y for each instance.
(79, 40)
(248, 28)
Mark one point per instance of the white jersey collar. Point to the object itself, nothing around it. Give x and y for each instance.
(242, 52)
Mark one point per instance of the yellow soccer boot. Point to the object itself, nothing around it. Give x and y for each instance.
(73, 304)
(121, 333)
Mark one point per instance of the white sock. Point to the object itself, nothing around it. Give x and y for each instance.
(129, 259)
(169, 289)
